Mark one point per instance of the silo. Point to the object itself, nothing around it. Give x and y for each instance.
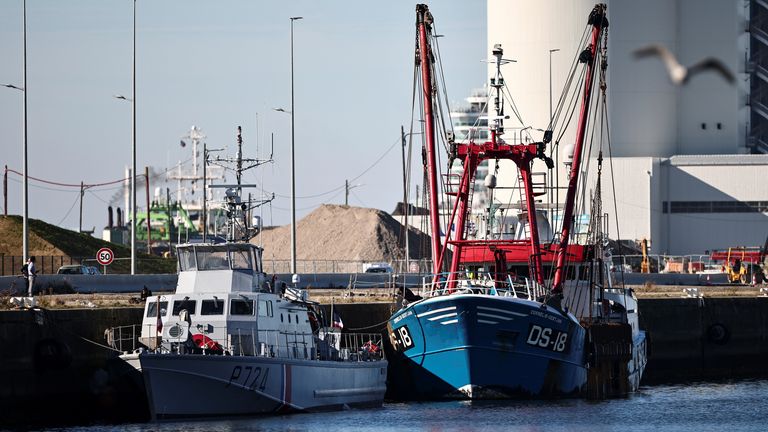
(542, 36)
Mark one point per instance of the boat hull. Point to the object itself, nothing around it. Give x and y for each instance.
(194, 386)
(484, 347)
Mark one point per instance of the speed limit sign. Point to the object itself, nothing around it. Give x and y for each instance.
(105, 256)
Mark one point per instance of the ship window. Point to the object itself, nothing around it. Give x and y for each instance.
(186, 259)
(212, 307)
(209, 258)
(152, 308)
(241, 259)
(189, 305)
(281, 317)
(241, 307)
(265, 308)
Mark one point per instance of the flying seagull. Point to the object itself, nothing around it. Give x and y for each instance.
(678, 73)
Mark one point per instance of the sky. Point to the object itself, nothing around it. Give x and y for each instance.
(219, 65)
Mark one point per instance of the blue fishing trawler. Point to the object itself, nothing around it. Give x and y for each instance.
(481, 329)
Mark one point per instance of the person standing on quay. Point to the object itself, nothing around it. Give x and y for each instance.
(31, 274)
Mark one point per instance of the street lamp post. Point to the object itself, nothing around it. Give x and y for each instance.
(133, 177)
(25, 184)
(556, 185)
(293, 165)
(25, 216)
(133, 152)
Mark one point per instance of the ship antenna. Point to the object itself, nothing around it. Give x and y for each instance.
(497, 82)
(239, 163)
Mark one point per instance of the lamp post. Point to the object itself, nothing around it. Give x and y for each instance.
(133, 148)
(25, 201)
(556, 186)
(25, 184)
(293, 165)
(133, 178)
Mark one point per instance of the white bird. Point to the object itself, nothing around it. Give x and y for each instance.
(678, 73)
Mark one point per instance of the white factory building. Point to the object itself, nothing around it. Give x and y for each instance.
(690, 161)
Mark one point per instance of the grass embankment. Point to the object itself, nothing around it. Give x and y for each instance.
(49, 240)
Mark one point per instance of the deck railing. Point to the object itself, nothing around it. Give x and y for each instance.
(333, 345)
(482, 284)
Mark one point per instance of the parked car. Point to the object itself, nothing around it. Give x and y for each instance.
(377, 268)
(78, 269)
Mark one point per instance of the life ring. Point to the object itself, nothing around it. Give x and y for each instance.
(204, 342)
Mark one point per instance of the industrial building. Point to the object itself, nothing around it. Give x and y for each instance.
(690, 161)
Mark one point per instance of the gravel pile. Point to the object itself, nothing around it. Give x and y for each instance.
(337, 232)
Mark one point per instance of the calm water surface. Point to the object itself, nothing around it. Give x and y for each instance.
(731, 406)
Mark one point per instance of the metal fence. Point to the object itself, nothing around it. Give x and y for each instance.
(669, 263)
(11, 265)
(273, 266)
(49, 264)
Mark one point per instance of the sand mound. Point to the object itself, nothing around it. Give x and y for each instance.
(343, 233)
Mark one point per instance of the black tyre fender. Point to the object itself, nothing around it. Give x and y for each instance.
(718, 334)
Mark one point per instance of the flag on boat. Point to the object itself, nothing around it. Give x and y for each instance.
(337, 323)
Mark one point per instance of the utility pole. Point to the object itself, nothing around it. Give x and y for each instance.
(80, 226)
(149, 225)
(346, 192)
(5, 192)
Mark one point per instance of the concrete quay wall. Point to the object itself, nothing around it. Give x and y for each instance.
(55, 366)
(706, 338)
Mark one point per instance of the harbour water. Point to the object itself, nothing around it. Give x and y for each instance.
(731, 406)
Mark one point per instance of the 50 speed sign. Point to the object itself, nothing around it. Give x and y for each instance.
(105, 256)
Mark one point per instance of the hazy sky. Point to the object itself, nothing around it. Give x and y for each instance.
(217, 65)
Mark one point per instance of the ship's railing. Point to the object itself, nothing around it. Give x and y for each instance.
(482, 284)
(123, 338)
(332, 345)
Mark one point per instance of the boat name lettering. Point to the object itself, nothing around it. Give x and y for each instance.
(403, 316)
(547, 338)
(547, 316)
(249, 377)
